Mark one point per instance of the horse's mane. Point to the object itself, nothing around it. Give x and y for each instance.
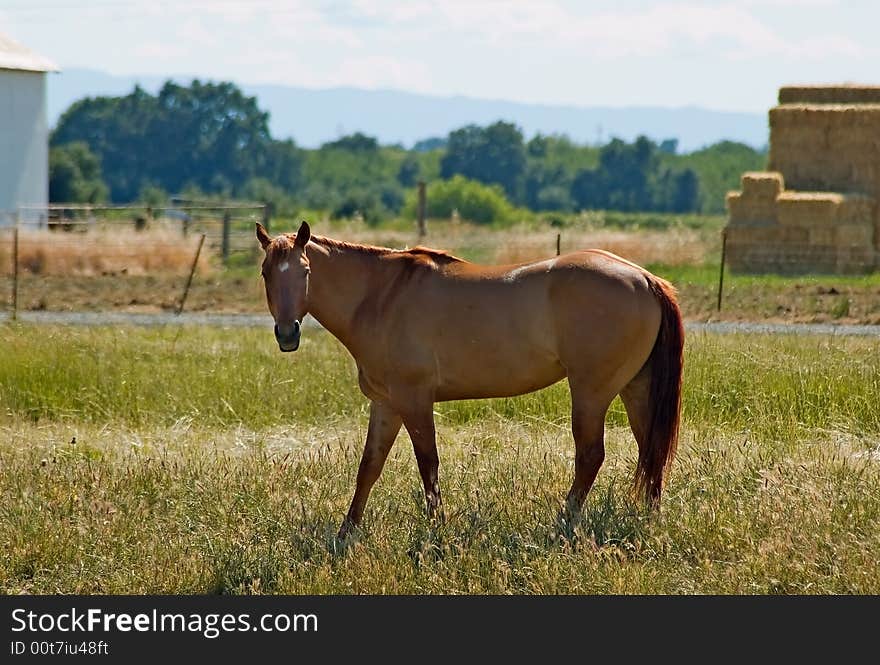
(437, 256)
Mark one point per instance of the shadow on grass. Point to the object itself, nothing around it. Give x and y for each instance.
(245, 567)
(259, 562)
(610, 518)
(429, 536)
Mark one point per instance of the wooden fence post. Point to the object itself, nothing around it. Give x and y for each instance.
(558, 244)
(15, 270)
(224, 246)
(721, 269)
(192, 271)
(423, 204)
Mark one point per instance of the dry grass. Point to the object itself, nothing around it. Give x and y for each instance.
(140, 461)
(517, 244)
(673, 248)
(103, 252)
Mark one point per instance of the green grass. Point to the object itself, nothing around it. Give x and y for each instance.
(707, 275)
(153, 460)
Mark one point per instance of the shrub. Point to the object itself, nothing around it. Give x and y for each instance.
(474, 201)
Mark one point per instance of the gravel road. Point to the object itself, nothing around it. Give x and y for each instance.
(259, 320)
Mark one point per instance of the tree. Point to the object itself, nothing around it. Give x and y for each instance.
(538, 146)
(209, 135)
(668, 146)
(589, 190)
(209, 130)
(153, 196)
(264, 191)
(75, 175)
(356, 142)
(718, 168)
(283, 165)
(427, 145)
(626, 169)
(546, 186)
(633, 177)
(408, 173)
(686, 192)
(492, 155)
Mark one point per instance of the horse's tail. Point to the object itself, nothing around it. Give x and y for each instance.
(666, 362)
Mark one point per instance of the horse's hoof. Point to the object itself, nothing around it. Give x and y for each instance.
(572, 510)
(348, 530)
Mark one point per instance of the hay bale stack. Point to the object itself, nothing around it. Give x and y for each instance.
(827, 147)
(813, 232)
(816, 210)
(846, 93)
(797, 250)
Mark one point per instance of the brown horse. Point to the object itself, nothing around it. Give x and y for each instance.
(425, 326)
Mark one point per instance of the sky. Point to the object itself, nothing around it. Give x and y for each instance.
(725, 55)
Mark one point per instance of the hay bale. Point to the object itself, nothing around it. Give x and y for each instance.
(855, 260)
(762, 185)
(762, 236)
(845, 93)
(808, 208)
(821, 235)
(859, 235)
(743, 210)
(793, 235)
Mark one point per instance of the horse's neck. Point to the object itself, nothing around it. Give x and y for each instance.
(338, 284)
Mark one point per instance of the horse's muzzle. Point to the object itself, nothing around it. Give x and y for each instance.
(288, 336)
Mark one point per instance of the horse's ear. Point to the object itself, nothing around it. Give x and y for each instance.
(263, 235)
(303, 235)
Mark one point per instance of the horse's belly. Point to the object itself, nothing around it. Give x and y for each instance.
(494, 376)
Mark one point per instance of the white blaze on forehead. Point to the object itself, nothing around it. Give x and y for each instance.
(516, 272)
(284, 267)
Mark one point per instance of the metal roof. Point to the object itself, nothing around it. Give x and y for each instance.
(15, 56)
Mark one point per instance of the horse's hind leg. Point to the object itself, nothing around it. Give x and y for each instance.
(588, 428)
(420, 425)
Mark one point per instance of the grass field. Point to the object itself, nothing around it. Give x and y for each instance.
(203, 461)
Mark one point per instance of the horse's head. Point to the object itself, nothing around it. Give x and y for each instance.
(286, 276)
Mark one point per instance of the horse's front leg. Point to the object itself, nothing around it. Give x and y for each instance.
(419, 423)
(383, 429)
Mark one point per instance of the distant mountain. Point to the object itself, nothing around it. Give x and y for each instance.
(311, 117)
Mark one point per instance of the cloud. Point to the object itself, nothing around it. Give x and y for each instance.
(734, 30)
(730, 52)
(159, 50)
(791, 4)
(382, 72)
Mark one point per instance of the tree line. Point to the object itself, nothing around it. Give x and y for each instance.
(211, 139)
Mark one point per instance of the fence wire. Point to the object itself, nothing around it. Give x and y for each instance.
(103, 257)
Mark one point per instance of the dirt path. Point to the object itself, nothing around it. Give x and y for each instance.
(260, 320)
